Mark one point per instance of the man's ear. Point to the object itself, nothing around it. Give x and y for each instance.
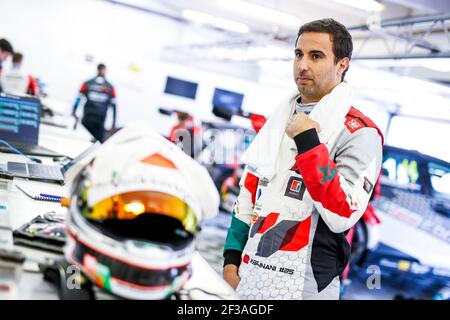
(343, 65)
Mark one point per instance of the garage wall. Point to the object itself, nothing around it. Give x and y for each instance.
(64, 40)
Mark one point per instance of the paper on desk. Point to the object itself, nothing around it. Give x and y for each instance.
(206, 284)
(35, 188)
(22, 209)
(6, 236)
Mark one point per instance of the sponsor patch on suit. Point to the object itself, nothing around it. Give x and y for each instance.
(368, 186)
(295, 188)
(263, 182)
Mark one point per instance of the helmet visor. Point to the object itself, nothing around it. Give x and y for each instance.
(130, 205)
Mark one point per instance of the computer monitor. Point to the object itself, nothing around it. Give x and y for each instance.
(181, 88)
(19, 119)
(230, 100)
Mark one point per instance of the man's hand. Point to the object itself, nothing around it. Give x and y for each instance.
(299, 123)
(231, 275)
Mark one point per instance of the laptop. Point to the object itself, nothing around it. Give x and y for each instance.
(52, 173)
(20, 118)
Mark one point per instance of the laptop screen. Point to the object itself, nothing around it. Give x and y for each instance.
(19, 119)
(181, 88)
(228, 100)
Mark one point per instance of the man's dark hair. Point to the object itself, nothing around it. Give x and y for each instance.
(182, 116)
(17, 57)
(341, 38)
(100, 67)
(6, 46)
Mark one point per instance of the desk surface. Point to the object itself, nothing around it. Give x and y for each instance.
(33, 287)
(22, 209)
(65, 141)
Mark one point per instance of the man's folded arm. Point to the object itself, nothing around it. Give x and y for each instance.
(340, 189)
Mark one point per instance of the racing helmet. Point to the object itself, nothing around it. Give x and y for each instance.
(135, 209)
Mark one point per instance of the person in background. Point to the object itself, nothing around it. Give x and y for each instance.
(182, 133)
(6, 50)
(17, 81)
(100, 95)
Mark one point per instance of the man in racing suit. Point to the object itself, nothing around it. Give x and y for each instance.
(287, 234)
(100, 95)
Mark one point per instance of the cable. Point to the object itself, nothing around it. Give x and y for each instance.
(39, 198)
(19, 152)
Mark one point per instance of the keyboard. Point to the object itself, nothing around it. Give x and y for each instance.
(44, 171)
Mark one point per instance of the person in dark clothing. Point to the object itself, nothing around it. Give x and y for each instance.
(100, 95)
(6, 50)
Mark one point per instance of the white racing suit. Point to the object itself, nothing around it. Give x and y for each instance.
(287, 235)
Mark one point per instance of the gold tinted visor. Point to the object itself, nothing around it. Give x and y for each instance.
(128, 206)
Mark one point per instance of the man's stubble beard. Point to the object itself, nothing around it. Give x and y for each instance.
(306, 91)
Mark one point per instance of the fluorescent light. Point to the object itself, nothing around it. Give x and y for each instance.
(252, 53)
(276, 52)
(437, 64)
(231, 25)
(221, 23)
(441, 65)
(261, 12)
(366, 5)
